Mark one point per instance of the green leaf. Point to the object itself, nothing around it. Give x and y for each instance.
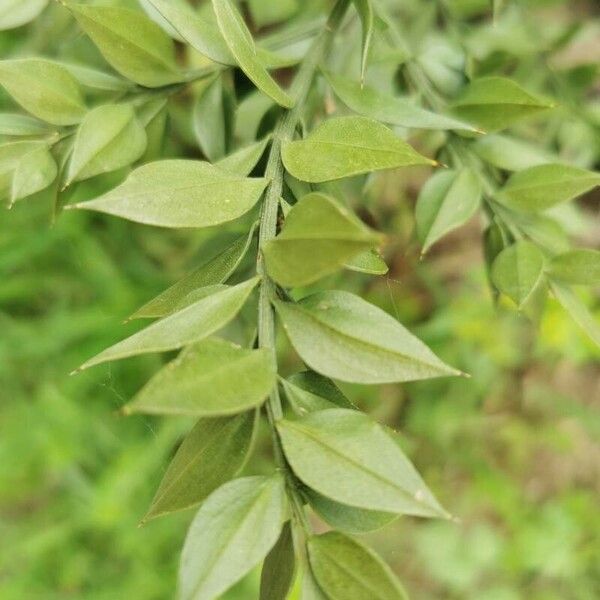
(34, 172)
(509, 153)
(342, 336)
(14, 13)
(191, 324)
(217, 270)
(308, 391)
(10, 156)
(201, 33)
(446, 201)
(578, 267)
(95, 79)
(269, 13)
(233, 531)
(110, 137)
(348, 519)
(242, 161)
(212, 453)
(240, 43)
(130, 42)
(43, 88)
(544, 186)
(211, 378)
(14, 124)
(577, 309)
(518, 270)
(279, 568)
(179, 193)
(369, 262)
(318, 237)
(345, 456)
(494, 103)
(370, 102)
(209, 121)
(345, 570)
(365, 13)
(346, 146)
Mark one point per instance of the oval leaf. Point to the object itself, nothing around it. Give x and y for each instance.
(347, 146)
(110, 137)
(179, 193)
(279, 568)
(518, 270)
(578, 267)
(130, 42)
(212, 378)
(318, 237)
(14, 13)
(342, 336)
(34, 172)
(345, 456)
(191, 324)
(371, 102)
(446, 201)
(212, 453)
(233, 531)
(346, 569)
(43, 88)
(308, 391)
(240, 43)
(369, 262)
(494, 103)
(544, 186)
(509, 153)
(14, 124)
(215, 271)
(243, 161)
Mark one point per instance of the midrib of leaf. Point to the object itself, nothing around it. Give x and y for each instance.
(371, 346)
(353, 575)
(358, 146)
(359, 466)
(218, 553)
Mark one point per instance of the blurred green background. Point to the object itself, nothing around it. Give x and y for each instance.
(513, 451)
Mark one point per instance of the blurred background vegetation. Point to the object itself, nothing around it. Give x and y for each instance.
(513, 451)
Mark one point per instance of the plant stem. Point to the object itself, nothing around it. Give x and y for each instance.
(284, 131)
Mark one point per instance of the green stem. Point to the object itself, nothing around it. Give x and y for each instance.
(274, 172)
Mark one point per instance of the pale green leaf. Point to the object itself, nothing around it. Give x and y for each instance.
(34, 172)
(369, 262)
(518, 270)
(43, 88)
(365, 13)
(110, 137)
(14, 13)
(95, 79)
(156, 15)
(446, 201)
(577, 309)
(211, 378)
(346, 146)
(217, 270)
(342, 336)
(370, 102)
(347, 570)
(213, 452)
(201, 33)
(233, 531)
(348, 519)
(308, 391)
(179, 193)
(191, 324)
(243, 160)
(241, 45)
(13, 124)
(210, 121)
(509, 153)
(279, 568)
(10, 156)
(130, 42)
(494, 103)
(310, 588)
(578, 267)
(269, 13)
(345, 456)
(541, 187)
(318, 237)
